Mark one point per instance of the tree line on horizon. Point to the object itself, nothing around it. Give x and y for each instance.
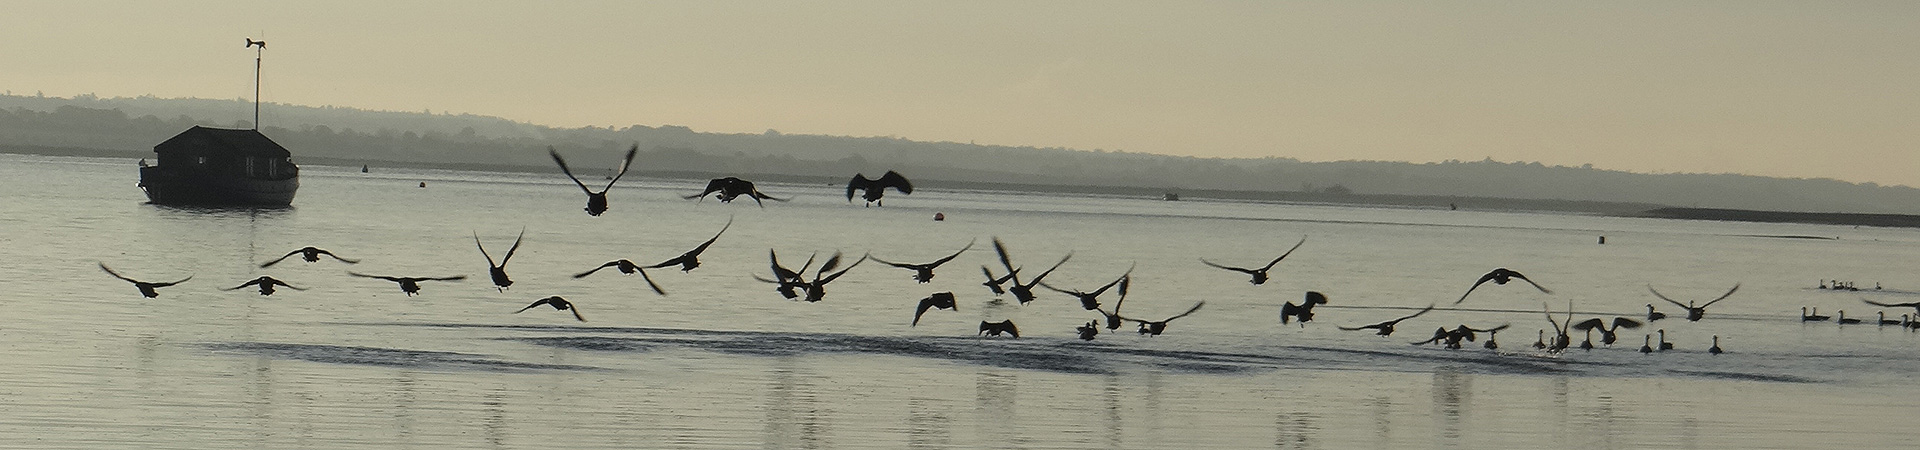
(424, 138)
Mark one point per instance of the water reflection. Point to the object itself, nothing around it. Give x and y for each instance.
(493, 423)
(994, 407)
(928, 423)
(795, 418)
(1113, 395)
(1382, 420)
(1294, 430)
(1451, 392)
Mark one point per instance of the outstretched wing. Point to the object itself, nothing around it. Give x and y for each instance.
(1303, 240)
(535, 303)
(859, 182)
(282, 258)
(628, 162)
(1374, 326)
(1005, 261)
(1236, 269)
(328, 253)
(1870, 302)
(1589, 324)
(940, 261)
(1622, 322)
(103, 266)
(714, 185)
(596, 269)
(829, 278)
(895, 180)
(925, 304)
(563, 169)
(1417, 314)
(650, 283)
(1663, 297)
(1543, 289)
(1476, 285)
(1736, 287)
(515, 247)
(716, 237)
(483, 250)
(1196, 307)
(1063, 260)
(393, 279)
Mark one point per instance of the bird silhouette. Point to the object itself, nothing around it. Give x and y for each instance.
(874, 189)
(1500, 276)
(146, 289)
(1654, 315)
(1451, 339)
(1386, 328)
(993, 283)
(1088, 331)
(1022, 291)
(1541, 341)
(1154, 328)
(1884, 321)
(1561, 339)
(266, 284)
(1695, 313)
(1843, 320)
(1646, 345)
(942, 300)
(1113, 318)
(924, 272)
(1090, 300)
(731, 187)
(629, 268)
(1815, 317)
(1607, 335)
(790, 281)
(817, 289)
(1716, 346)
(1587, 344)
(409, 285)
(557, 303)
(691, 259)
(1260, 274)
(499, 270)
(995, 329)
(311, 254)
(1304, 311)
(1492, 340)
(596, 201)
(1664, 345)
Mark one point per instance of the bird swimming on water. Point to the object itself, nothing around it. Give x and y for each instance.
(691, 259)
(266, 284)
(1654, 315)
(1664, 345)
(409, 285)
(499, 270)
(995, 329)
(1386, 328)
(1843, 320)
(924, 272)
(1815, 317)
(941, 300)
(310, 254)
(1304, 311)
(1260, 274)
(146, 289)
(1694, 314)
(1716, 346)
(1088, 331)
(629, 268)
(731, 187)
(1500, 276)
(596, 201)
(557, 303)
(872, 190)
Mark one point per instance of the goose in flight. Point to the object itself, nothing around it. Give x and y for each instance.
(1091, 300)
(1386, 328)
(1607, 335)
(310, 254)
(1694, 314)
(629, 268)
(1500, 276)
(995, 329)
(409, 285)
(1154, 328)
(266, 284)
(924, 272)
(691, 259)
(874, 189)
(1022, 291)
(817, 289)
(1260, 274)
(941, 300)
(1113, 318)
(557, 303)
(1304, 311)
(789, 280)
(596, 201)
(146, 289)
(731, 187)
(499, 270)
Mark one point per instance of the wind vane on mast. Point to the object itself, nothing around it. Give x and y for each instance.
(256, 78)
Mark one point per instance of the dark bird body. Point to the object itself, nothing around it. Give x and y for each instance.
(941, 300)
(1451, 339)
(1654, 315)
(817, 289)
(1022, 291)
(1607, 335)
(1386, 328)
(266, 284)
(310, 254)
(409, 285)
(995, 329)
(1814, 317)
(1113, 318)
(596, 201)
(691, 259)
(1088, 331)
(1716, 346)
(731, 188)
(1304, 311)
(1664, 345)
(1089, 300)
(1260, 274)
(994, 283)
(1154, 328)
(498, 271)
(872, 190)
(789, 281)
(557, 303)
(629, 268)
(1694, 314)
(1500, 276)
(146, 289)
(924, 272)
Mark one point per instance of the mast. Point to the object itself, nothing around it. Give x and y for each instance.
(256, 78)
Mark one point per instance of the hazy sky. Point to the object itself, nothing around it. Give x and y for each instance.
(1795, 89)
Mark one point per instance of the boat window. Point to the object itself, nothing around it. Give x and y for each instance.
(200, 160)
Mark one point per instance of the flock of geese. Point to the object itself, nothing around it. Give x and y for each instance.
(795, 284)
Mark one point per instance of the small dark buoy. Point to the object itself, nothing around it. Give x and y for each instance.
(939, 217)
(423, 184)
(1603, 240)
(363, 168)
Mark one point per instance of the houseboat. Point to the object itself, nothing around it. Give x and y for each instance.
(221, 167)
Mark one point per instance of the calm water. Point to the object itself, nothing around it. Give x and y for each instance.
(724, 362)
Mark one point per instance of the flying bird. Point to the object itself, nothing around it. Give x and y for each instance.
(1113, 318)
(557, 303)
(789, 280)
(1500, 276)
(626, 267)
(873, 189)
(266, 284)
(1451, 338)
(1260, 274)
(1607, 335)
(1561, 339)
(993, 283)
(409, 285)
(924, 272)
(1090, 300)
(691, 259)
(1695, 313)
(499, 271)
(1022, 291)
(146, 289)
(596, 201)
(941, 300)
(1386, 328)
(1304, 312)
(817, 289)
(1154, 328)
(994, 329)
(730, 188)
(311, 254)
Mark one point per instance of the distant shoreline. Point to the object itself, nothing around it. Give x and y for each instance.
(1620, 209)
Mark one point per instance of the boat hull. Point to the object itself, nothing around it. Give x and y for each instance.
(167, 187)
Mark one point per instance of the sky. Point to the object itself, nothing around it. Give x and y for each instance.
(1787, 89)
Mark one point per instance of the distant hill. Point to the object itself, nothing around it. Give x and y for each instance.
(33, 124)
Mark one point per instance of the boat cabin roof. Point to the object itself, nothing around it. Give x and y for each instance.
(224, 141)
